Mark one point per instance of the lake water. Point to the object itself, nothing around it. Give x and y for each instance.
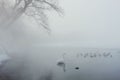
(93, 63)
(80, 64)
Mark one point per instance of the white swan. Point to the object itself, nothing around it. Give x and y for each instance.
(61, 63)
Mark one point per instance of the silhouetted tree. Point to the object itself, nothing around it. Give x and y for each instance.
(10, 10)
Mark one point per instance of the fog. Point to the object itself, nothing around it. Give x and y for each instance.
(88, 23)
(85, 27)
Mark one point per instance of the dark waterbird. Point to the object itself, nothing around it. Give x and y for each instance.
(77, 68)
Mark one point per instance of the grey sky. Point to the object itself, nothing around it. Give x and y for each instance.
(85, 23)
(93, 23)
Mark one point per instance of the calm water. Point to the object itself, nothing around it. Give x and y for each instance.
(93, 63)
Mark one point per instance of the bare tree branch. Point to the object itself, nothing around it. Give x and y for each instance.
(33, 8)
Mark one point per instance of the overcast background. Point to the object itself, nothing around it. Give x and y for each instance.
(86, 23)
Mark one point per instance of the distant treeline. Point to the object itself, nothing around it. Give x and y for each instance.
(94, 55)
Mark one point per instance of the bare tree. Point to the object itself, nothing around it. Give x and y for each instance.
(10, 10)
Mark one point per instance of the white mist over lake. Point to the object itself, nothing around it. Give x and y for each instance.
(88, 26)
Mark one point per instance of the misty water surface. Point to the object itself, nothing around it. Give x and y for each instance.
(96, 68)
